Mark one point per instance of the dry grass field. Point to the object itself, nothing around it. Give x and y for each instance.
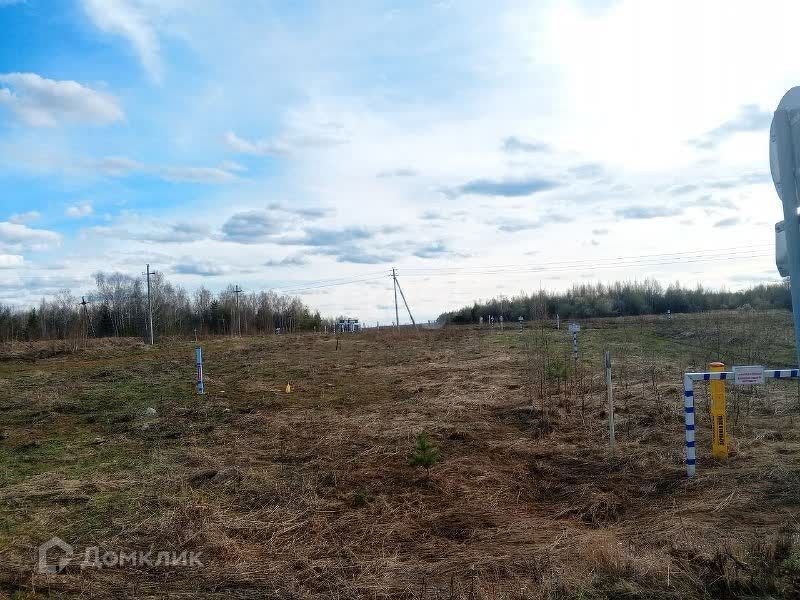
(310, 494)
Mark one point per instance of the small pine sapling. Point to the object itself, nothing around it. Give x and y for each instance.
(425, 454)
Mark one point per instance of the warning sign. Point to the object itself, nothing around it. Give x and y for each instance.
(748, 375)
(574, 327)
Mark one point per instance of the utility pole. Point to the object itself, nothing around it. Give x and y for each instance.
(403, 296)
(396, 313)
(87, 324)
(237, 290)
(150, 305)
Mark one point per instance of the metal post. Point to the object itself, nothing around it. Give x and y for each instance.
(198, 352)
(612, 440)
(688, 413)
(719, 425)
(786, 166)
(558, 321)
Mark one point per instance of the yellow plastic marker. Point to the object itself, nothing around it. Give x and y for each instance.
(288, 388)
(719, 424)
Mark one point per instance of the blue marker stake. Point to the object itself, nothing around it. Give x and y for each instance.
(199, 356)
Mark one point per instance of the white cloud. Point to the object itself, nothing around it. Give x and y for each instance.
(189, 266)
(78, 211)
(243, 146)
(196, 174)
(42, 102)
(114, 166)
(251, 227)
(130, 20)
(10, 261)
(298, 139)
(25, 217)
(16, 237)
(232, 166)
(133, 228)
(120, 166)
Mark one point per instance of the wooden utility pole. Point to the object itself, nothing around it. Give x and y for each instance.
(86, 324)
(403, 296)
(150, 306)
(237, 290)
(396, 312)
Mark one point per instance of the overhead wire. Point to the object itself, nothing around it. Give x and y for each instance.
(558, 268)
(619, 262)
(325, 285)
(732, 251)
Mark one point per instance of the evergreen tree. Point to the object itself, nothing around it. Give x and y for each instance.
(425, 453)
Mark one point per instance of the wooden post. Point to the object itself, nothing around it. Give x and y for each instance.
(611, 433)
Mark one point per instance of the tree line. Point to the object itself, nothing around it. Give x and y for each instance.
(620, 299)
(118, 307)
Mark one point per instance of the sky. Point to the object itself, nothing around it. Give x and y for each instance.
(479, 148)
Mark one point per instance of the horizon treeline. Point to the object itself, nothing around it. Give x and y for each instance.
(117, 307)
(620, 299)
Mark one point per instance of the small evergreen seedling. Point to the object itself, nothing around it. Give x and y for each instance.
(362, 497)
(425, 453)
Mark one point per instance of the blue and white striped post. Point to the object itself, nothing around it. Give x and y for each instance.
(575, 346)
(574, 328)
(688, 413)
(198, 352)
(688, 404)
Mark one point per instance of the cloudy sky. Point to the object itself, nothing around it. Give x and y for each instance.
(481, 148)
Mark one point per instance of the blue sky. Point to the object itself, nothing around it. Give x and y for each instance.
(481, 148)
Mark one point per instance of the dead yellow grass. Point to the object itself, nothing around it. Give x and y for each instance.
(310, 494)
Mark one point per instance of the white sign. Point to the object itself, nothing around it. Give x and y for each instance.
(574, 327)
(748, 375)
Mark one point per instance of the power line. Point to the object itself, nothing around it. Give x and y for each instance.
(739, 253)
(579, 266)
(316, 287)
(732, 251)
(311, 282)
